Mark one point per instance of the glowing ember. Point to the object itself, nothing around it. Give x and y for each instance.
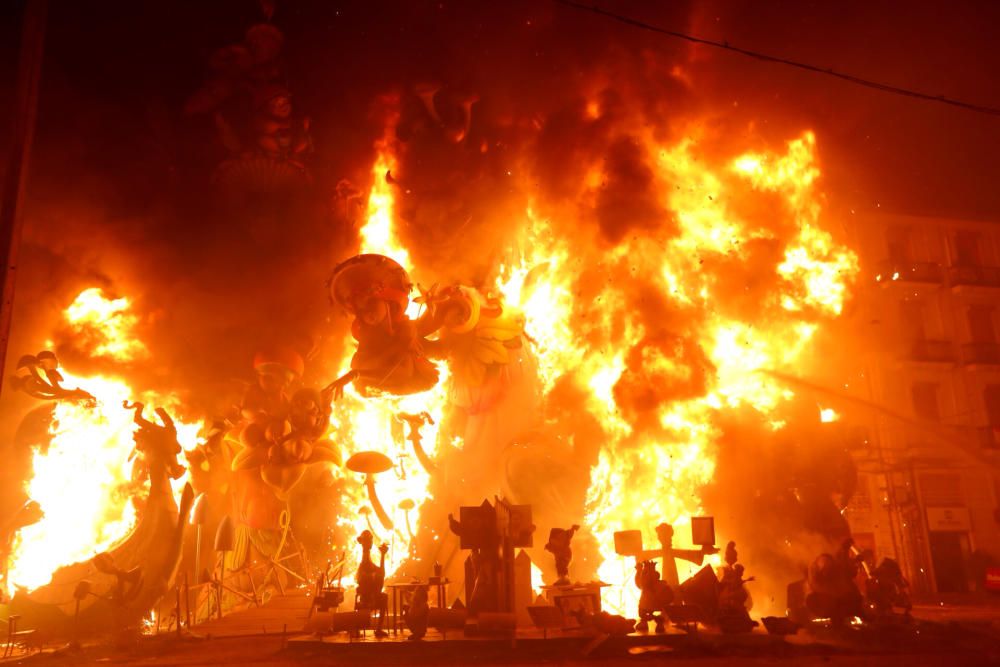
(827, 415)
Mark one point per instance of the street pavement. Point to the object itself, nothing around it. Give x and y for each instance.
(941, 635)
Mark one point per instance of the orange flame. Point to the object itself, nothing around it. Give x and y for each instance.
(650, 474)
(107, 324)
(83, 479)
(363, 424)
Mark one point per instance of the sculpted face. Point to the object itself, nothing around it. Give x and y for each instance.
(372, 310)
(274, 381)
(365, 540)
(280, 107)
(306, 405)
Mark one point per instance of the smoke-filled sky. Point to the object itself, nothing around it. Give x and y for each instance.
(119, 194)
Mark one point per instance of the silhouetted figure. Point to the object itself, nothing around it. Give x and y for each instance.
(371, 578)
(888, 589)
(559, 546)
(733, 595)
(731, 555)
(418, 613)
(832, 591)
(656, 596)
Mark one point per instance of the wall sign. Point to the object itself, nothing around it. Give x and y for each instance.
(948, 518)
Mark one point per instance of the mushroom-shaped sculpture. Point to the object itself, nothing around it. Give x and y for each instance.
(415, 421)
(372, 463)
(225, 535)
(366, 512)
(38, 376)
(406, 505)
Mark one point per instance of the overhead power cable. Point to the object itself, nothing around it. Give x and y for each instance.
(850, 78)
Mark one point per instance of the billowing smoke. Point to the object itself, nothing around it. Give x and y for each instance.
(492, 113)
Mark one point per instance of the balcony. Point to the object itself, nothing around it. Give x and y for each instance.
(971, 276)
(981, 354)
(921, 273)
(988, 437)
(930, 352)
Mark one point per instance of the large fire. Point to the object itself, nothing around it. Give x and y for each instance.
(654, 462)
(656, 384)
(83, 478)
(652, 466)
(372, 424)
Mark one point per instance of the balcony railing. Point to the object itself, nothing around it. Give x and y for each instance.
(981, 354)
(974, 276)
(910, 272)
(932, 351)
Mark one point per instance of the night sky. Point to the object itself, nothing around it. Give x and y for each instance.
(109, 64)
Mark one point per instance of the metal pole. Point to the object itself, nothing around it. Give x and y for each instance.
(197, 557)
(12, 199)
(187, 600)
(222, 580)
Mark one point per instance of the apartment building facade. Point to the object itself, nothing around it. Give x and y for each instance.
(928, 453)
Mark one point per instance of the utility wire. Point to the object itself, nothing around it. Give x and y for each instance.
(850, 78)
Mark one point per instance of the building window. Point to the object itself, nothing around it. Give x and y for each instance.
(898, 242)
(981, 327)
(968, 250)
(991, 399)
(861, 501)
(941, 490)
(925, 400)
(913, 320)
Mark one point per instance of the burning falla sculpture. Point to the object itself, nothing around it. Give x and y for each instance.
(391, 356)
(394, 352)
(283, 435)
(117, 588)
(265, 140)
(38, 376)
